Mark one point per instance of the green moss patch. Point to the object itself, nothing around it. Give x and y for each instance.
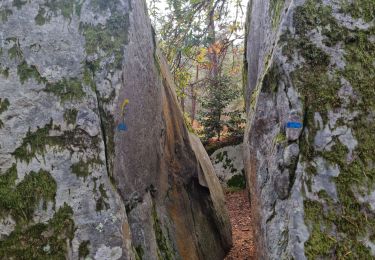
(66, 89)
(36, 142)
(336, 227)
(237, 181)
(66, 8)
(313, 56)
(4, 14)
(41, 241)
(81, 169)
(108, 130)
(21, 200)
(110, 38)
(84, 250)
(310, 15)
(323, 241)
(360, 69)
(271, 79)
(26, 72)
(139, 252)
(164, 250)
(314, 14)
(281, 138)
(89, 74)
(70, 116)
(42, 17)
(318, 89)
(4, 104)
(104, 5)
(320, 243)
(19, 3)
(4, 72)
(106, 42)
(30, 240)
(15, 52)
(276, 8)
(101, 203)
(226, 161)
(364, 9)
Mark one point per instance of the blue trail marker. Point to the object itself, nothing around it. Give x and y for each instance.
(294, 125)
(122, 127)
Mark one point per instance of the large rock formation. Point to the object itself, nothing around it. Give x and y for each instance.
(72, 183)
(228, 164)
(309, 148)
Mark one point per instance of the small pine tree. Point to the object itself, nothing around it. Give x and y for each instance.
(236, 123)
(219, 95)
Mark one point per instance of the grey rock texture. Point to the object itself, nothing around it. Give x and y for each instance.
(71, 184)
(228, 162)
(311, 187)
(293, 133)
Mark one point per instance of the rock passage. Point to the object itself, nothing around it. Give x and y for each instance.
(240, 217)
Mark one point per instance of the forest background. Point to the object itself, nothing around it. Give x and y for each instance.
(203, 41)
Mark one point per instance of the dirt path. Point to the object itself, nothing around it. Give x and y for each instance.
(240, 217)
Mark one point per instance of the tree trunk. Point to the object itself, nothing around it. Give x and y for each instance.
(182, 102)
(214, 70)
(219, 129)
(194, 96)
(213, 58)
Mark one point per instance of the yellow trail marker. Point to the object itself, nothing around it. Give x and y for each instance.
(122, 126)
(123, 106)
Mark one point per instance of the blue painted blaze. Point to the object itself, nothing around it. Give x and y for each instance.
(122, 127)
(295, 125)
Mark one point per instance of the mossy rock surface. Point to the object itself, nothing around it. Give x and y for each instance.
(319, 84)
(31, 240)
(237, 181)
(42, 240)
(321, 65)
(67, 65)
(50, 113)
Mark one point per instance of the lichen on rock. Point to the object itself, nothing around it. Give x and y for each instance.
(325, 58)
(66, 66)
(52, 124)
(228, 164)
(20, 201)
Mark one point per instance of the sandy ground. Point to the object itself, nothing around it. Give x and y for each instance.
(240, 217)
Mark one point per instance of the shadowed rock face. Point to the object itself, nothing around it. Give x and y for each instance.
(159, 170)
(72, 183)
(309, 144)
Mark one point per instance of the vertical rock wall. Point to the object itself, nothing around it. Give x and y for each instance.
(309, 148)
(159, 172)
(72, 184)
